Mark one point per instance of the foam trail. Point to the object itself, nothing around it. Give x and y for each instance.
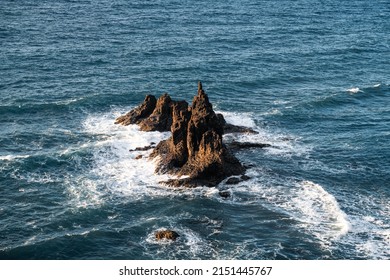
(354, 90)
(321, 210)
(370, 231)
(316, 210)
(13, 157)
(243, 119)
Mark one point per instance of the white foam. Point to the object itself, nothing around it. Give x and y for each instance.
(41, 237)
(282, 144)
(273, 112)
(13, 157)
(354, 90)
(34, 177)
(321, 210)
(114, 170)
(370, 234)
(241, 119)
(84, 192)
(316, 210)
(68, 101)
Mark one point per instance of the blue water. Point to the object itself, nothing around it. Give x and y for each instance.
(312, 77)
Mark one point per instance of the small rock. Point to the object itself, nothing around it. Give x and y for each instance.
(246, 145)
(231, 128)
(141, 148)
(138, 157)
(245, 177)
(166, 234)
(249, 165)
(233, 181)
(224, 194)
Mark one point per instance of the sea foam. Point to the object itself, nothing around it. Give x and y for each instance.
(353, 90)
(316, 210)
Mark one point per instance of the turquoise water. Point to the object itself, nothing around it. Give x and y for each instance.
(312, 77)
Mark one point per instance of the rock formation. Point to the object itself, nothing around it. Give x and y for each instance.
(195, 150)
(166, 234)
(139, 113)
(161, 117)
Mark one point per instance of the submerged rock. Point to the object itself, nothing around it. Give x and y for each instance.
(166, 234)
(234, 145)
(195, 149)
(224, 194)
(231, 128)
(245, 178)
(233, 181)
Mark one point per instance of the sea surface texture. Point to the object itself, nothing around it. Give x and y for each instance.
(312, 77)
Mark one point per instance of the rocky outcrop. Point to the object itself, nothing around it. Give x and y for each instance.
(166, 234)
(161, 117)
(139, 113)
(195, 149)
(236, 180)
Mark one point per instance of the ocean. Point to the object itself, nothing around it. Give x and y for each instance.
(311, 77)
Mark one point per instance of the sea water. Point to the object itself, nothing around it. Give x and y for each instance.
(311, 77)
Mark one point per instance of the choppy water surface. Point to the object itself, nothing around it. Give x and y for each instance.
(312, 77)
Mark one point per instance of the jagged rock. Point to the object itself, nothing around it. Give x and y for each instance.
(161, 117)
(166, 234)
(203, 119)
(209, 161)
(141, 112)
(195, 149)
(173, 151)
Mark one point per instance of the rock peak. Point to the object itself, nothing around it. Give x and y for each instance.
(200, 86)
